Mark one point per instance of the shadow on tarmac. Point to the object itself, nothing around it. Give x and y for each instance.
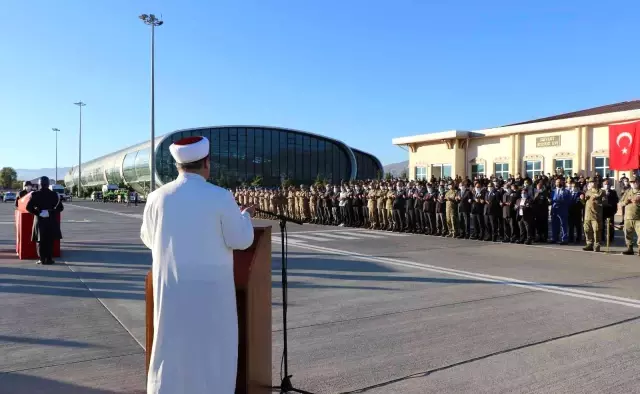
(48, 342)
(22, 383)
(362, 271)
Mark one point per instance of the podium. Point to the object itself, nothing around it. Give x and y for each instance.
(252, 276)
(25, 247)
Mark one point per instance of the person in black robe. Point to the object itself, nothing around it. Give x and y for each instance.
(26, 188)
(45, 205)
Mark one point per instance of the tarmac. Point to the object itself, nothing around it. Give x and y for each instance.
(369, 312)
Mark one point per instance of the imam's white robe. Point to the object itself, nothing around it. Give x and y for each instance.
(192, 228)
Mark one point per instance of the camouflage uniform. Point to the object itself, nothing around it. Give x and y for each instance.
(594, 199)
(631, 218)
(451, 209)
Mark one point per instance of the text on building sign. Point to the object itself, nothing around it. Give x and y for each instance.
(542, 142)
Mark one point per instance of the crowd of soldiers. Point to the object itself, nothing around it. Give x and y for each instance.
(513, 210)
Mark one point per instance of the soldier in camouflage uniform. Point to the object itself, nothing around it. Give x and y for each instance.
(451, 209)
(631, 202)
(305, 204)
(390, 196)
(281, 201)
(313, 201)
(593, 202)
(371, 206)
(291, 197)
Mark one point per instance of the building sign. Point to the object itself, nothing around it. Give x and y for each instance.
(544, 142)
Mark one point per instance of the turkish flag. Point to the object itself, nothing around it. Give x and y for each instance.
(624, 146)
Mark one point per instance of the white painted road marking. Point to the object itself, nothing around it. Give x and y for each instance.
(315, 237)
(634, 303)
(129, 215)
(630, 302)
(369, 235)
(349, 235)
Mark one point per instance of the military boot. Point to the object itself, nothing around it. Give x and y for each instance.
(629, 251)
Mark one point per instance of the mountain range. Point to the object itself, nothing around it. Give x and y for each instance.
(396, 169)
(27, 175)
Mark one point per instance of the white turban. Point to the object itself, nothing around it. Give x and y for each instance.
(190, 149)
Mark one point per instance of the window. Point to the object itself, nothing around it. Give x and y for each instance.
(601, 166)
(477, 169)
(441, 170)
(566, 165)
(421, 173)
(533, 168)
(446, 170)
(501, 170)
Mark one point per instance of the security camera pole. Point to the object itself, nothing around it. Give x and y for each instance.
(80, 104)
(152, 21)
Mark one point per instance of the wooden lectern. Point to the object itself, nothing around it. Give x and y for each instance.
(252, 272)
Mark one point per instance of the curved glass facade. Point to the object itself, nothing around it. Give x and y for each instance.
(238, 154)
(369, 167)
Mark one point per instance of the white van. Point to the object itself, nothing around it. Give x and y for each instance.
(60, 190)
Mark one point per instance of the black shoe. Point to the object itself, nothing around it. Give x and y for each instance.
(588, 248)
(527, 243)
(628, 252)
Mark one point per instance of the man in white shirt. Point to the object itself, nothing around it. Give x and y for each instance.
(192, 228)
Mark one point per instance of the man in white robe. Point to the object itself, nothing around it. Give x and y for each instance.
(192, 228)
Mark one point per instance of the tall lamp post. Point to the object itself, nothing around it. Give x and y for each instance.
(56, 131)
(152, 21)
(80, 104)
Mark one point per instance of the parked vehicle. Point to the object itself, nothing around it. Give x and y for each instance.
(60, 190)
(9, 196)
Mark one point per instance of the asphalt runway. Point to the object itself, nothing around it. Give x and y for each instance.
(370, 312)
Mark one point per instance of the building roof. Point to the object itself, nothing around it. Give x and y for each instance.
(625, 111)
(430, 137)
(604, 109)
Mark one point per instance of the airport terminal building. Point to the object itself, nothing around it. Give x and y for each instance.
(238, 154)
(576, 142)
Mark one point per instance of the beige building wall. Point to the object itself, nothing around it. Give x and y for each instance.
(584, 141)
(432, 155)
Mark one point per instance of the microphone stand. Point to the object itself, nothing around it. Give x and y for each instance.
(285, 385)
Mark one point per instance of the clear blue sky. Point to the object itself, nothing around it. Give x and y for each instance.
(362, 71)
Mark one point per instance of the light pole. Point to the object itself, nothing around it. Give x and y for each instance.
(80, 104)
(152, 21)
(56, 131)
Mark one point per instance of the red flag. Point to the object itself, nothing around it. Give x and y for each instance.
(624, 146)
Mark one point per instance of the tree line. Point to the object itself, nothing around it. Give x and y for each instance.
(9, 179)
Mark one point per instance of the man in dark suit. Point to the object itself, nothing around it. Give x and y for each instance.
(510, 222)
(464, 198)
(560, 202)
(576, 213)
(45, 204)
(477, 212)
(26, 188)
(525, 215)
(492, 211)
(541, 212)
(609, 209)
(430, 202)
